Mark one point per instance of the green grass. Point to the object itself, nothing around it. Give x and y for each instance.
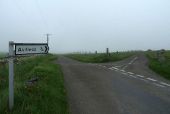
(101, 58)
(47, 96)
(2, 54)
(160, 67)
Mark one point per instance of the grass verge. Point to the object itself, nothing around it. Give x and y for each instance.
(2, 54)
(101, 58)
(160, 67)
(46, 96)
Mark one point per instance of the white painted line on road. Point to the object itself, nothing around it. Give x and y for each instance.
(122, 70)
(140, 76)
(124, 73)
(130, 72)
(104, 66)
(165, 84)
(151, 79)
(158, 85)
(111, 68)
(132, 76)
(125, 67)
(143, 79)
(132, 61)
(115, 68)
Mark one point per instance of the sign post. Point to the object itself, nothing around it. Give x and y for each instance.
(21, 49)
(11, 75)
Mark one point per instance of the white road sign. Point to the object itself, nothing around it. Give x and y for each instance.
(31, 48)
(21, 49)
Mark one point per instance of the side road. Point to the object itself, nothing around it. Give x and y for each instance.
(96, 89)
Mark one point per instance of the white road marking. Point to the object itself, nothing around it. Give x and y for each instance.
(151, 79)
(111, 68)
(140, 76)
(104, 66)
(132, 76)
(122, 70)
(158, 85)
(165, 84)
(143, 79)
(132, 61)
(115, 68)
(130, 72)
(125, 67)
(124, 73)
(136, 76)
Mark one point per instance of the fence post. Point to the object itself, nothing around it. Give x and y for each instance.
(107, 51)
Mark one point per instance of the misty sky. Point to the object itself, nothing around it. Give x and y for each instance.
(86, 25)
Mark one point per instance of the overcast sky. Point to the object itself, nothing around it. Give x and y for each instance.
(87, 25)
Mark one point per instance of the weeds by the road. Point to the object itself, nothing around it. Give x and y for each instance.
(160, 67)
(45, 96)
(101, 58)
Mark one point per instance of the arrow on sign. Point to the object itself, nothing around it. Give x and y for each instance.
(46, 48)
(31, 48)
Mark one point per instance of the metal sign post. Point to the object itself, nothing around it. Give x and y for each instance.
(21, 49)
(11, 75)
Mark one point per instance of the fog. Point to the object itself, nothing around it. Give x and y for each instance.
(86, 25)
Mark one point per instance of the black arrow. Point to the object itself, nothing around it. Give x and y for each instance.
(46, 49)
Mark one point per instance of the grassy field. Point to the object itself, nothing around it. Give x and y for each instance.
(160, 67)
(46, 96)
(101, 58)
(2, 54)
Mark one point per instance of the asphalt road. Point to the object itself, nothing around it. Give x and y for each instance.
(125, 87)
